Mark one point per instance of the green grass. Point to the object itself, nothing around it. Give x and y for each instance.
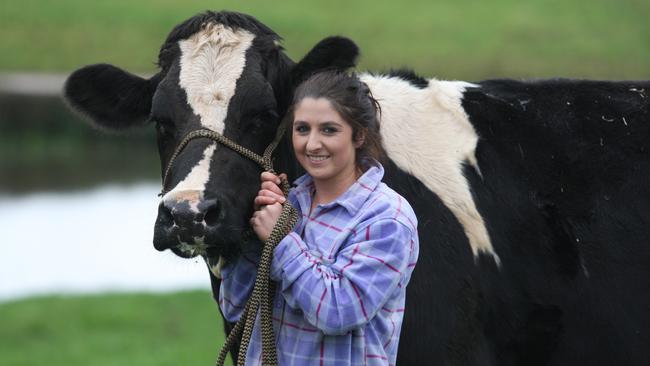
(449, 39)
(110, 330)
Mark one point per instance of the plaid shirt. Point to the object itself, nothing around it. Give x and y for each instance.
(341, 277)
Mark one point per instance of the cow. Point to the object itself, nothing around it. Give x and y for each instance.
(532, 196)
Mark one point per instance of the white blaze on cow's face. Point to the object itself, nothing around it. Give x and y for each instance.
(431, 124)
(211, 62)
(191, 188)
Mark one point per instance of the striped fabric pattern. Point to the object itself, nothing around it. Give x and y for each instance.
(341, 277)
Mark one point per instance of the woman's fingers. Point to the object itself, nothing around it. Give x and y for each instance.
(268, 193)
(265, 200)
(270, 177)
(262, 201)
(271, 192)
(272, 187)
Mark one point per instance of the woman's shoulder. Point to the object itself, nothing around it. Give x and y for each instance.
(384, 203)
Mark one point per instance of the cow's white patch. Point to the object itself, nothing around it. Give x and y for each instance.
(427, 133)
(197, 248)
(212, 60)
(191, 188)
(215, 268)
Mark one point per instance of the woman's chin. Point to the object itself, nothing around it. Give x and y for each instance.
(318, 172)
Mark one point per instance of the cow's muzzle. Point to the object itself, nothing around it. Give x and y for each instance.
(184, 220)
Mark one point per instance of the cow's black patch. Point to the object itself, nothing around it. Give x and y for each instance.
(410, 76)
(110, 97)
(331, 53)
(566, 208)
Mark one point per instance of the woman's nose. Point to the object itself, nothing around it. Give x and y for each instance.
(313, 142)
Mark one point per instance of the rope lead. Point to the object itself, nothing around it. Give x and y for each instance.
(264, 288)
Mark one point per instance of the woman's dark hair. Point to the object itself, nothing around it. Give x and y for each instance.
(352, 99)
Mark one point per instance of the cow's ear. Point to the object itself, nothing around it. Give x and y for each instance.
(332, 53)
(110, 97)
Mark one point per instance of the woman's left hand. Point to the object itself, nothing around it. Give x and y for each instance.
(264, 220)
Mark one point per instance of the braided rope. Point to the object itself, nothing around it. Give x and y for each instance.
(264, 288)
(262, 298)
(263, 161)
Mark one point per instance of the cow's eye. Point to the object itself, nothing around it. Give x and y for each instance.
(164, 127)
(267, 116)
(264, 120)
(271, 115)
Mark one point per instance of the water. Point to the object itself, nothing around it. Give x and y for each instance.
(88, 241)
(82, 236)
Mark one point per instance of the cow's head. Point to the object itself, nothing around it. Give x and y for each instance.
(222, 71)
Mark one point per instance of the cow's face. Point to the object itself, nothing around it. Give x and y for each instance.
(215, 79)
(219, 71)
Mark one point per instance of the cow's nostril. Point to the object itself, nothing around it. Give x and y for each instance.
(212, 215)
(161, 235)
(165, 215)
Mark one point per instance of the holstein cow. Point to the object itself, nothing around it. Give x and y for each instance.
(533, 197)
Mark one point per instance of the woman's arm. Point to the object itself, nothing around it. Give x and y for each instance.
(339, 296)
(237, 281)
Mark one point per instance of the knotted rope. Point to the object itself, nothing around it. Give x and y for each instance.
(264, 289)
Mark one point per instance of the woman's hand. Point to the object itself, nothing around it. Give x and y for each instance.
(270, 191)
(268, 205)
(264, 220)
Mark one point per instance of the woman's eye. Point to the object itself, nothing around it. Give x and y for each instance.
(329, 130)
(301, 129)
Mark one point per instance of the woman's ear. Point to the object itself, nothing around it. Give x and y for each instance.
(359, 139)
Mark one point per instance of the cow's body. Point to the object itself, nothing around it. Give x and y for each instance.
(531, 196)
(561, 178)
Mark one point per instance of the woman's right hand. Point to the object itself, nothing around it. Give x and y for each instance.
(270, 191)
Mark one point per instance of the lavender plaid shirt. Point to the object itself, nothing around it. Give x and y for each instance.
(342, 276)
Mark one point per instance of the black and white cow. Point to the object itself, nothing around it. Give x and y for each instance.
(533, 197)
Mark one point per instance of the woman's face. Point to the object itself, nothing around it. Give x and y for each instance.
(322, 140)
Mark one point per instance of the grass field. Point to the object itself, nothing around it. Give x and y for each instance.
(110, 330)
(461, 39)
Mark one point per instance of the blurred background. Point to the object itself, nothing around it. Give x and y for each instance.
(80, 282)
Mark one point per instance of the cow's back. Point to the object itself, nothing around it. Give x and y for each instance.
(560, 179)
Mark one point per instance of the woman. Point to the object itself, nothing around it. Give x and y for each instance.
(342, 272)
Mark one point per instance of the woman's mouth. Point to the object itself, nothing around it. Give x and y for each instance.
(317, 158)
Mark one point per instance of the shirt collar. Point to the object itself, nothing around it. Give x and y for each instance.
(356, 194)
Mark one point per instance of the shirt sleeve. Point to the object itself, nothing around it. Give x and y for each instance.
(344, 294)
(237, 282)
